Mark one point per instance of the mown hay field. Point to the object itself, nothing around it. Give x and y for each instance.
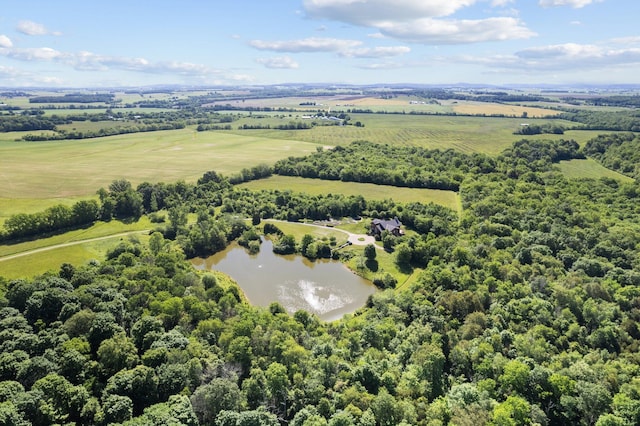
(367, 190)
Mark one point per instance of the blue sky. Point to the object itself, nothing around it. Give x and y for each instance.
(72, 43)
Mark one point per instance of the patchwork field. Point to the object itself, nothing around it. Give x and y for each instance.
(367, 190)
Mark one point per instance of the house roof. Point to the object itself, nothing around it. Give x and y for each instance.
(387, 225)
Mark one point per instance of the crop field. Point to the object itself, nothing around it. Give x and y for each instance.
(367, 190)
(468, 107)
(489, 135)
(80, 167)
(589, 168)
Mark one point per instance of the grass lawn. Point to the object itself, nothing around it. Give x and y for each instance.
(367, 190)
(589, 168)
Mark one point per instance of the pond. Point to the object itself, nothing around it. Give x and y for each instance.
(326, 288)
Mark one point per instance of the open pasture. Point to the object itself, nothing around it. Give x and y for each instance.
(80, 167)
(367, 190)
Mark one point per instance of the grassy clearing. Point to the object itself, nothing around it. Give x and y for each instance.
(298, 230)
(385, 262)
(50, 260)
(79, 168)
(100, 229)
(38, 262)
(367, 190)
(589, 168)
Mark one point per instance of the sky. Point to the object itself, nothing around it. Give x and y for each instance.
(80, 43)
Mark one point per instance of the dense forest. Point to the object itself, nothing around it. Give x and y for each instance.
(525, 310)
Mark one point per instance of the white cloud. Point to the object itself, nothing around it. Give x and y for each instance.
(88, 61)
(576, 4)
(569, 57)
(34, 29)
(382, 66)
(34, 54)
(626, 40)
(421, 21)
(439, 31)
(9, 72)
(279, 62)
(5, 41)
(376, 52)
(312, 44)
(367, 12)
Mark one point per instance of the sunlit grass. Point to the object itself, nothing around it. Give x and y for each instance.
(367, 190)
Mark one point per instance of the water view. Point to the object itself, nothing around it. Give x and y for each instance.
(326, 288)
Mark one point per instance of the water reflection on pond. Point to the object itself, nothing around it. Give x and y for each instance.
(325, 288)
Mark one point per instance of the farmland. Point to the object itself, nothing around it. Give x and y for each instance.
(78, 168)
(520, 269)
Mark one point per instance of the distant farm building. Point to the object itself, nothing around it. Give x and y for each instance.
(393, 226)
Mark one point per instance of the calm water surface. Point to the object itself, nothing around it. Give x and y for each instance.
(324, 287)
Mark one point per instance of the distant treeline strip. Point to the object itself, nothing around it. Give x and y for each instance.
(110, 131)
(74, 98)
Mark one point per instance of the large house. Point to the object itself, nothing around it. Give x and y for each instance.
(392, 226)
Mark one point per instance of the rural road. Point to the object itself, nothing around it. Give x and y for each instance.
(71, 243)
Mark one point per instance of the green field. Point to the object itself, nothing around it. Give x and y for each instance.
(489, 135)
(80, 167)
(367, 190)
(11, 206)
(589, 168)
